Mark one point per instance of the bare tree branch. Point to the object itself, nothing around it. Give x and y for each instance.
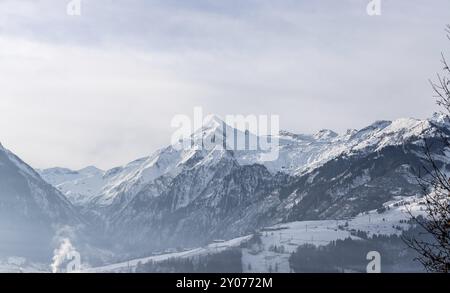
(433, 246)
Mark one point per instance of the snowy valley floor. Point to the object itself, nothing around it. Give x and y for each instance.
(280, 241)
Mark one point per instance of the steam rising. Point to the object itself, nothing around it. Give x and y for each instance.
(61, 253)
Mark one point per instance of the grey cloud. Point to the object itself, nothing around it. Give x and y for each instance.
(101, 88)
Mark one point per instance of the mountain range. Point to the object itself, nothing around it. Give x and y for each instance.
(183, 198)
(188, 197)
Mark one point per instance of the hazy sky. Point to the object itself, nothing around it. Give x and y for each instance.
(101, 88)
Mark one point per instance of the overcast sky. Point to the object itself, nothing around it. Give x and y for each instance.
(101, 88)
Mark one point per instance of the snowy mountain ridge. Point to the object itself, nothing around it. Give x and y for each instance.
(190, 196)
(298, 154)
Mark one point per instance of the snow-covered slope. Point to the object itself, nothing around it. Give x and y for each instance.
(130, 266)
(287, 237)
(298, 154)
(31, 210)
(190, 196)
(302, 153)
(80, 186)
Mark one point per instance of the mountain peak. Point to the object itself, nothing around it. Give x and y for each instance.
(379, 124)
(212, 125)
(90, 169)
(212, 121)
(325, 134)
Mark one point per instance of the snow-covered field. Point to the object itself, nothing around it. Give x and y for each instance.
(130, 266)
(10, 267)
(277, 242)
(288, 236)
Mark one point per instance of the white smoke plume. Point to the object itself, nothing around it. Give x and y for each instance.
(60, 254)
(64, 235)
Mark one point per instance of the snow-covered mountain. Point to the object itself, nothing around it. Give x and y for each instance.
(31, 210)
(78, 186)
(191, 196)
(298, 154)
